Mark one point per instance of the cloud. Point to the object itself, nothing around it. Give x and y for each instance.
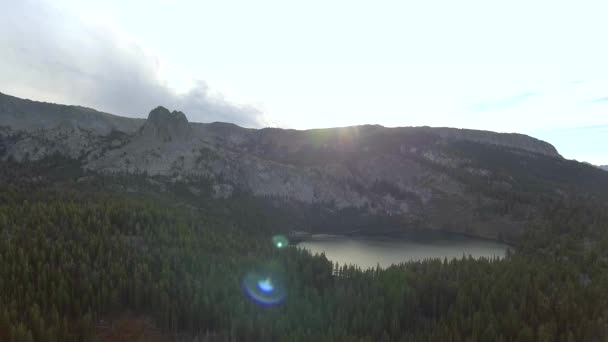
(502, 103)
(601, 99)
(48, 54)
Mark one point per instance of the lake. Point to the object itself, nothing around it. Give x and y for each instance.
(368, 251)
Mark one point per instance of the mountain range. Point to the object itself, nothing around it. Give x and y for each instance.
(472, 182)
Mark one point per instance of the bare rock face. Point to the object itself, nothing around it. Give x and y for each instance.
(511, 140)
(166, 126)
(429, 177)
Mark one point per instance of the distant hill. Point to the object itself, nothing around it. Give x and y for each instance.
(604, 167)
(27, 115)
(467, 181)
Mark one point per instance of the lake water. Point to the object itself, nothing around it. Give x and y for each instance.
(369, 251)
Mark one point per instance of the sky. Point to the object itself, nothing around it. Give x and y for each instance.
(532, 67)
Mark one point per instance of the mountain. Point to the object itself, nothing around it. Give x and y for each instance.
(27, 115)
(604, 167)
(473, 182)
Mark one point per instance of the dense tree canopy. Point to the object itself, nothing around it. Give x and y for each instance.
(73, 258)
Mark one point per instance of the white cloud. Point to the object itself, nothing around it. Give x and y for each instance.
(49, 54)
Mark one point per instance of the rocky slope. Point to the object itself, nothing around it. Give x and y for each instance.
(27, 115)
(422, 177)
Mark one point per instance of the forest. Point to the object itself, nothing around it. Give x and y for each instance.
(75, 258)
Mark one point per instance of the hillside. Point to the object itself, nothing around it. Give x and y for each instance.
(364, 179)
(84, 262)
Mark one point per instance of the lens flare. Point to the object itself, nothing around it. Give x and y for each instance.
(280, 241)
(265, 285)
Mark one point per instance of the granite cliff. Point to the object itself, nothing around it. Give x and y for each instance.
(435, 178)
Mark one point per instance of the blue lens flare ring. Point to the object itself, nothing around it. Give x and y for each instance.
(265, 285)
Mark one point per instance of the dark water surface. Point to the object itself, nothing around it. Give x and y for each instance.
(368, 251)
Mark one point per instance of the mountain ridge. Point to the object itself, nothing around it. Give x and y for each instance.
(29, 115)
(436, 178)
(69, 114)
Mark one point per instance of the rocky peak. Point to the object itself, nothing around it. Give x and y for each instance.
(166, 126)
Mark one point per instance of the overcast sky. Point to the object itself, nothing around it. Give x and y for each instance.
(533, 67)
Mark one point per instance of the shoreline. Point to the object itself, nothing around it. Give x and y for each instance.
(299, 237)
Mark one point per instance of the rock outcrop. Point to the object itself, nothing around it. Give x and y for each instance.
(166, 126)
